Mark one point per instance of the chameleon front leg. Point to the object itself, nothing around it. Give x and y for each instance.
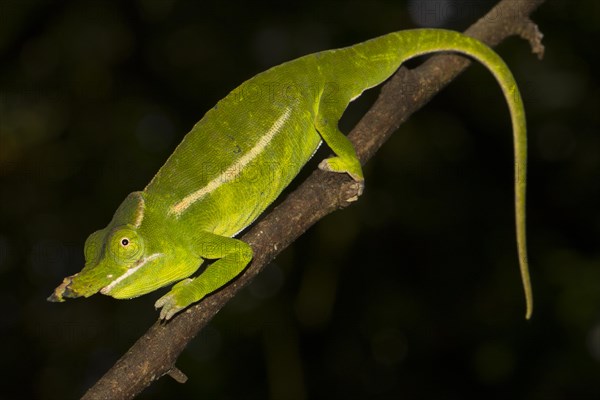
(232, 256)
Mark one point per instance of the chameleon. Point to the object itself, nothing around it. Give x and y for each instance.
(241, 155)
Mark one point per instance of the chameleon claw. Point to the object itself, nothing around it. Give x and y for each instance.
(176, 300)
(359, 187)
(167, 306)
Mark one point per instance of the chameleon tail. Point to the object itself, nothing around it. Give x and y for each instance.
(383, 51)
(422, 41)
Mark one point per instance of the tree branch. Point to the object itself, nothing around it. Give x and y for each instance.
(156, 352)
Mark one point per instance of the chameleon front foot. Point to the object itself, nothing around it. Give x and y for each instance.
(180, 297)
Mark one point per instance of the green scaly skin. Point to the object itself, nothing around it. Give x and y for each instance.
(239, 157)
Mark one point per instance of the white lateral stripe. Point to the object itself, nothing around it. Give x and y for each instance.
(109, 287)
(235, 169)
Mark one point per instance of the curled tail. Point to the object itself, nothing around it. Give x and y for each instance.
(388, 52)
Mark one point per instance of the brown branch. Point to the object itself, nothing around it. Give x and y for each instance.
(156, 352)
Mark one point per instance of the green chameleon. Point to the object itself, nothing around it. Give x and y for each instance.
(240, 156)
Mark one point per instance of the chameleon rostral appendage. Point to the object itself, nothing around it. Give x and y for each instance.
(241, 155)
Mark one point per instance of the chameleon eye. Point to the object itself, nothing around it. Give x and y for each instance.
(126, 245)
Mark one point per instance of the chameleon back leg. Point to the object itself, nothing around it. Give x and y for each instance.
(326, 122)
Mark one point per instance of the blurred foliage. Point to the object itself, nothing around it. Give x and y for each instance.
(413, 292)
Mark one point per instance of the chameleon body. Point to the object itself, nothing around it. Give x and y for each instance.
(240, 156)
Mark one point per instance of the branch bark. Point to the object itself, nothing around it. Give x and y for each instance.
(156, 352)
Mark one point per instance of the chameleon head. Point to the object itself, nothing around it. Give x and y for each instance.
(118, 262)
(112, 256)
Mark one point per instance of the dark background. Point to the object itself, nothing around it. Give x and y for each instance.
(413, 292)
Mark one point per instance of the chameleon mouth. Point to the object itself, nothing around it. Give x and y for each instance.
(108, 289)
